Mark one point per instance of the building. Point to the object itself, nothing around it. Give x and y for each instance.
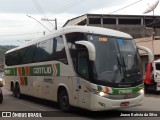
(141, 28)
(135, 25)
(152, 44)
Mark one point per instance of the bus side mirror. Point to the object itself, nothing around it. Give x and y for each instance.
(149, 52)
(90, 47)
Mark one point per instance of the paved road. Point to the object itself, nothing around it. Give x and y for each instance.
(151, 103)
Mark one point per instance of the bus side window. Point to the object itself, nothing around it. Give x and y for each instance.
(12, 58)
(71, 38)
(83, 65)
(59, 52)
(26, 54)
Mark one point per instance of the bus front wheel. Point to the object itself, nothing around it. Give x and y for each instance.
(64, 101)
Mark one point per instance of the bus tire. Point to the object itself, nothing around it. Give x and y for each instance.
(13, 90)
(146, 88)
(17, 91)
(1, 100)
(64, 101)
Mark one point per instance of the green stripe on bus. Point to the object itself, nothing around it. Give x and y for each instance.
(127, 90)
(58, 69)
(25, 81)
(23, 71)
(100, 88)
(40, 70)
(11, 72)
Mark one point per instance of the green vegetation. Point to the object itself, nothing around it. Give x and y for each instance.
(3, 50)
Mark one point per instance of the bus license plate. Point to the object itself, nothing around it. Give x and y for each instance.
(124, 104)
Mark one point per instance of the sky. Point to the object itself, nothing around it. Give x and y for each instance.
(17, 29)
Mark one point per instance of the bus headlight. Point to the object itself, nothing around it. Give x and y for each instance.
(141, 91)
(102, 94)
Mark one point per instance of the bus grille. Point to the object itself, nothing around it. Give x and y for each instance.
(124, 96)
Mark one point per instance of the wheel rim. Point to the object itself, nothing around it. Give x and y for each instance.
(64, 101)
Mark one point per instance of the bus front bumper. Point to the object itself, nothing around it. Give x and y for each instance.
(99, 103)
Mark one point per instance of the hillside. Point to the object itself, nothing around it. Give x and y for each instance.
(3, 49)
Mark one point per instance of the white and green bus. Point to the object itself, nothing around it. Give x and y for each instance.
(88, 67)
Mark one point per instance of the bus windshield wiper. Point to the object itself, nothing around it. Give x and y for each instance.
(119, 68)
(123, 64)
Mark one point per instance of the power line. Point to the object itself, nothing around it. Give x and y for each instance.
(125, 6)
(40, 9)
(38, 6)
(64, 6)
(38, 22)
(72, 5)
(21, 34)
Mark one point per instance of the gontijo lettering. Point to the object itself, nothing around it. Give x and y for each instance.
(42, 70)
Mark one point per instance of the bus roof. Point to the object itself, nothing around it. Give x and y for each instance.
(70, 29)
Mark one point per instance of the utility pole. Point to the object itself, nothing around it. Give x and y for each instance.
(55, 20)
(38, 22)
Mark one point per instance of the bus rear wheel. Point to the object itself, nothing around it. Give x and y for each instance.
(13, 90)
(64, 101)
(17, 91)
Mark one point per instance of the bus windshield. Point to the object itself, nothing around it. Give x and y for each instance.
(116, 60)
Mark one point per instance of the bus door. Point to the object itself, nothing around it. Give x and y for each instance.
(75, 96)
(83, 80)
(83, 93)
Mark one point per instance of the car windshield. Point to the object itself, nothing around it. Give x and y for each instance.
(157, 66)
